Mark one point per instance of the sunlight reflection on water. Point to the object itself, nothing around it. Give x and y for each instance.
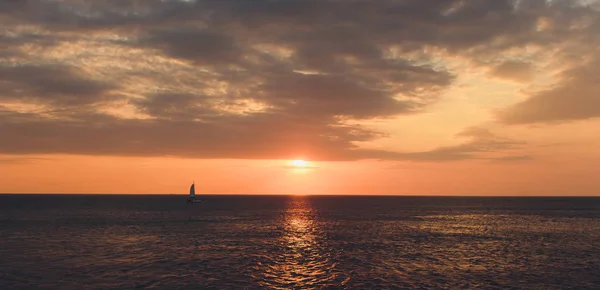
(303, 259)
(298, 242)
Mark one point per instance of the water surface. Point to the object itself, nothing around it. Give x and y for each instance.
(283, 242)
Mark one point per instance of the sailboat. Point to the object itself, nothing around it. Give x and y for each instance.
(192, 198)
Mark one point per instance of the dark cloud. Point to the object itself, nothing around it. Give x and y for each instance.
(12, 44)
(513, 70)
(576, 97)
(306, 65)
(254, 137)
(323, 95)
(176, 106)
(249, 137)
(55, 84)
(202, 46)
(455, 24)
(92, 15)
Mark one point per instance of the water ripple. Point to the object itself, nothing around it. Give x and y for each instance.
(300, 243)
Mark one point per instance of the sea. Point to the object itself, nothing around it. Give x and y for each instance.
(298, 242)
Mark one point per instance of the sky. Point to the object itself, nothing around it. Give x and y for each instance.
(424, 97)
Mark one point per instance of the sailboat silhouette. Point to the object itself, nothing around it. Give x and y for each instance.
(192, 198)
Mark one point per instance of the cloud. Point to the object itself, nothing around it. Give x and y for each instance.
(483, 145)
(13, 43)
(175, 106)
(513, 70)
(20, 160)
(263, 79)
(575, 97)
(255, 137)
(325, 95)
(515, 158)
(56, 84)
(202, 46)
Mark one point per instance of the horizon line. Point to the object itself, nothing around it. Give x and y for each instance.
(298, 195)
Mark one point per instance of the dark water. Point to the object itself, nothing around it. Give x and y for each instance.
(160, 242)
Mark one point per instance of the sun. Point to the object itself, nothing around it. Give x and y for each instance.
(299, 163)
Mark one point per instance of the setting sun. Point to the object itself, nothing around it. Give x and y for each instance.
(299, 163)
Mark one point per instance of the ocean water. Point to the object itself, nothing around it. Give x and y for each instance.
(298, 242)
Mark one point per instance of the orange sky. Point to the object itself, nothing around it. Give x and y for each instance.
(386, 97)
